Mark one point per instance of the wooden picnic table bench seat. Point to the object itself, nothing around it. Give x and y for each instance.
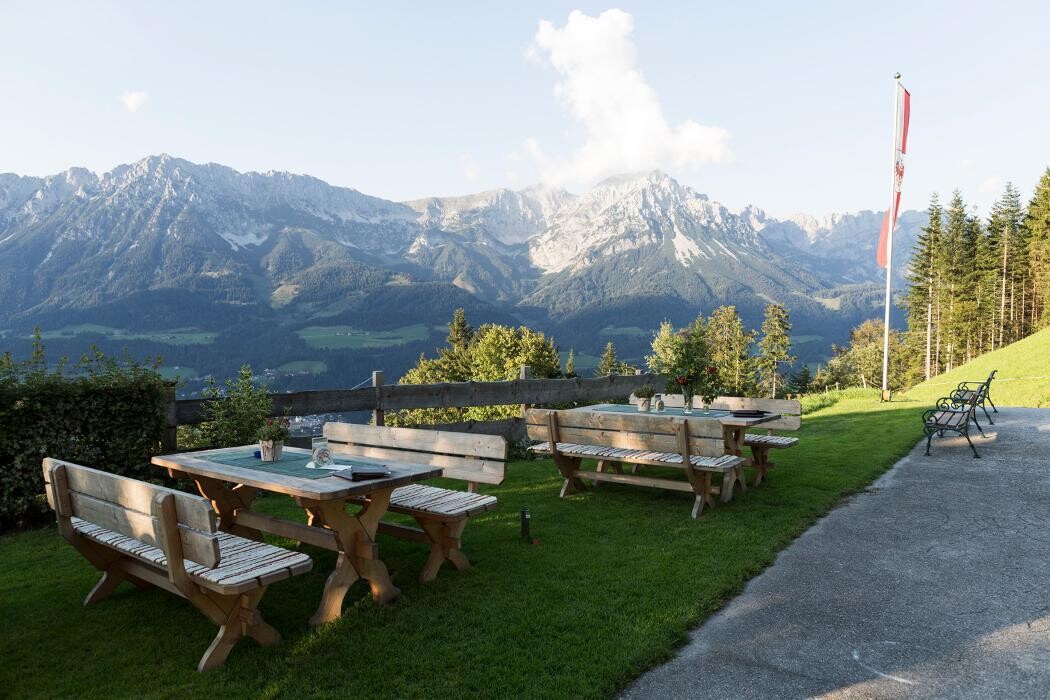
(441, 513)
(982, 390)
(790, 411)
(952, 417)
(655, 440)
(150, 535)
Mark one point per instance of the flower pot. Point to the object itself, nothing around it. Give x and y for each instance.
(643, 405)
(271, 450)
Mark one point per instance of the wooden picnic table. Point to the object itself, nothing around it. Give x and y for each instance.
(230, 478)
(734, 427)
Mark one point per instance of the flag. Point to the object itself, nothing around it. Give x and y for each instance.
(900, 147)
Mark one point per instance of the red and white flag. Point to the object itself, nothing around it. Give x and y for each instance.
(900, 148)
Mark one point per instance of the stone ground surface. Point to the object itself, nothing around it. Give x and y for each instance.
(935, 583)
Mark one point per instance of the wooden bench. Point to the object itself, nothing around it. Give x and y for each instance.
(790, 412)
(950, 416)
(441, 513)
(962, 394)
(695, 446)
(150, 535)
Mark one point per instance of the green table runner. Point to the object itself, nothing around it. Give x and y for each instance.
(288, 464)
(697, 413)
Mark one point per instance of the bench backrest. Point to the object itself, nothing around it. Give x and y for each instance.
(130, 507)
(641, 431)
(790, 410)
(465, 456)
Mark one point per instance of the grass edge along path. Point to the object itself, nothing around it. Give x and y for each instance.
(619, 576)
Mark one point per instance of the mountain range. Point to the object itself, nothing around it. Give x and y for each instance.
(163, 243)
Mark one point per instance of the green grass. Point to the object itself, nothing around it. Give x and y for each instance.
(1023, 377)
(618, 577)
(585, 363)
(311, 366)
(174, 336)
(178, 372)
(623, 330)
(338, 337)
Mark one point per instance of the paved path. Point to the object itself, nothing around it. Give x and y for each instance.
(935, 583)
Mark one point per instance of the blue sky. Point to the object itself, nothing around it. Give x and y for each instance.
(783, 105)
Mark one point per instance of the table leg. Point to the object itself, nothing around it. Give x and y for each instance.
(733, 439)
(226, 501)
(358, 553)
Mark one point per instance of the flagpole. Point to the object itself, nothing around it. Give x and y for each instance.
(889, 241)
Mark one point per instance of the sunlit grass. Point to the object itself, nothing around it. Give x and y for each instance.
(618, 577)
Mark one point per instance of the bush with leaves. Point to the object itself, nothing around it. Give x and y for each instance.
(100, 412)
(490, 353)
(232, 415)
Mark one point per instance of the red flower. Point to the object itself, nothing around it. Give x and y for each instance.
(682, 379)
(711, 370)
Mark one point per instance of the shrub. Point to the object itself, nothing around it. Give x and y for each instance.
(99, 412)
(233, 416)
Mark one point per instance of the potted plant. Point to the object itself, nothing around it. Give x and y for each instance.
(272, 435)
(644, 394)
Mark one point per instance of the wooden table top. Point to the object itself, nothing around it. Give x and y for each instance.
(322, 489)
(722, 416)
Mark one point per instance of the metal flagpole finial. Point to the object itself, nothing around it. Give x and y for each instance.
(896, 76)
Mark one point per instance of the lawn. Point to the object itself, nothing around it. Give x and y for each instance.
(338, 337)
(174, 336)
(178, 372)
(1023, 377)
(584, 363)
(311, 366)
(617, 578)
(623, 330)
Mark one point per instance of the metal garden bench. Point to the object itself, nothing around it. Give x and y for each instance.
(953, 417)
(965, 391)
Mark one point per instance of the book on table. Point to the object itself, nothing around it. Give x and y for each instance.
(363, 472)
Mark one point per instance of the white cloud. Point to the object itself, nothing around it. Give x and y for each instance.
(603, 89)
(133, 100)
(471, 168)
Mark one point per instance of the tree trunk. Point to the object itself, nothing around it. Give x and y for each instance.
(1002, 302)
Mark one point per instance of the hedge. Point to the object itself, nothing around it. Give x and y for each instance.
(99, 413)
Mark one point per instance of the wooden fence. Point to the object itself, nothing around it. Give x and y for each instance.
(381, 397)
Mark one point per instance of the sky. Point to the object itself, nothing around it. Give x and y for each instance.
(787, 106)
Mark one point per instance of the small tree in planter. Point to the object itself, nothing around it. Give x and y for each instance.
(272, 435)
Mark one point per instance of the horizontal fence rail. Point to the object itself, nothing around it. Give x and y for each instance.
(381, 397)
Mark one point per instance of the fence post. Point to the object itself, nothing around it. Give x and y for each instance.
(170, 439)
(525, 373)
(377, 382)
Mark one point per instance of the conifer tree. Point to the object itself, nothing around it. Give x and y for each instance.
(607, 363)
(730, 349)
(460, 332)
(919, 299)
(799, 382)
(1037, 221)
(950, 265)
(774, 348)
(1005, 224)
(570, 364)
